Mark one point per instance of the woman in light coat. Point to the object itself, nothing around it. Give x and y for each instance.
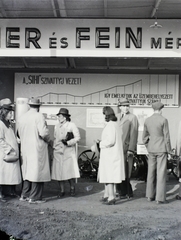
(111, 164)
(65, 166)
(9, 171)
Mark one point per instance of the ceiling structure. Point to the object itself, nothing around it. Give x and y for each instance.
(90, 9)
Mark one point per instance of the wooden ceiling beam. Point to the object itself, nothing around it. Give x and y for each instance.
(61, 8)
(72, 63)
(2, 11)
(105, 8)
(155, 8)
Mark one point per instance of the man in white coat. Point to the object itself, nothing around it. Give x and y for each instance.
(34, 136)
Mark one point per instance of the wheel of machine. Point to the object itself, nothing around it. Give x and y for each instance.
(88, 167)
(140, 167)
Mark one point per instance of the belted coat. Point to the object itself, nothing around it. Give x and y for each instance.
(9, 172)
(111, 163)
(34, 137)
(65, 165)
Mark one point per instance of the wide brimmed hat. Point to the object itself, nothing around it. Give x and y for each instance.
(123, 102)
(63, 111)
(34, 101)
(6, 104)
(157, 106)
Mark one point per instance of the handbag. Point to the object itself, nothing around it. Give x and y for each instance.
(11, 157)
(69, 136)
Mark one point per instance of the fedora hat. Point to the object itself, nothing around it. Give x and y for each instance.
(34, 101)
(6, 104)
(123, 102)
(63, 111)
(157, 106)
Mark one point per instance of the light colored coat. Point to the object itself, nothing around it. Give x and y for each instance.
(65, 164)
(111, 163)
(9, 172)
(34, 135)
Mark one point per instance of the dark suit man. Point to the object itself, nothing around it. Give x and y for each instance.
(156, 137)
(128, 125)
(178, 152)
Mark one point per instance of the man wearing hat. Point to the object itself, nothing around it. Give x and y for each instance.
(10, 174)
(156, 137)
(34, 137)
(128, 125)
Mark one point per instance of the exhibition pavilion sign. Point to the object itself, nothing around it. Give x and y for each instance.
(98, 89)
(89, 38)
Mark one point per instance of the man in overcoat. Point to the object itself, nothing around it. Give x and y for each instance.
(156, 137)
(128, 125)
(34, 137)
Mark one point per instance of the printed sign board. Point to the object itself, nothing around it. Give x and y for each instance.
(98, 89)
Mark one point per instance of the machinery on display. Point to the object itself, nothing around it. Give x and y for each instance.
(88, 162)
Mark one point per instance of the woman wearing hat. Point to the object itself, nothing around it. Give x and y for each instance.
(65, 166)
(111, 164)
(9, 168)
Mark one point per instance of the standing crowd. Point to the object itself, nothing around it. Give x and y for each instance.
(24, 156)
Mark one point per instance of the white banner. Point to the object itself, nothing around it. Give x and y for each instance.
(90, 38)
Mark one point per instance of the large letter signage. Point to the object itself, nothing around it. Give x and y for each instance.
(89, 38)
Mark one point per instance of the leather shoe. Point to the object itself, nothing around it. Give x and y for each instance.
(161, 202)
(111, 202)
(150, 199)
(31, 201)
(24, 199)
(178, 197)
(61, 194)
(129, 195)
(104, 199)
(72, 192)
(122, 196)
(3, 199)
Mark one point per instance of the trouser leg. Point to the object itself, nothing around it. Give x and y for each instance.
(36, 190)
(151, 178)
(26, 189)
(1, 191)
(180, 189)
(125, 186)
(161, 177)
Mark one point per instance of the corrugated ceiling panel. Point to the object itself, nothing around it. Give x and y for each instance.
(130, 9)
(26, 9)
(85, 8)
